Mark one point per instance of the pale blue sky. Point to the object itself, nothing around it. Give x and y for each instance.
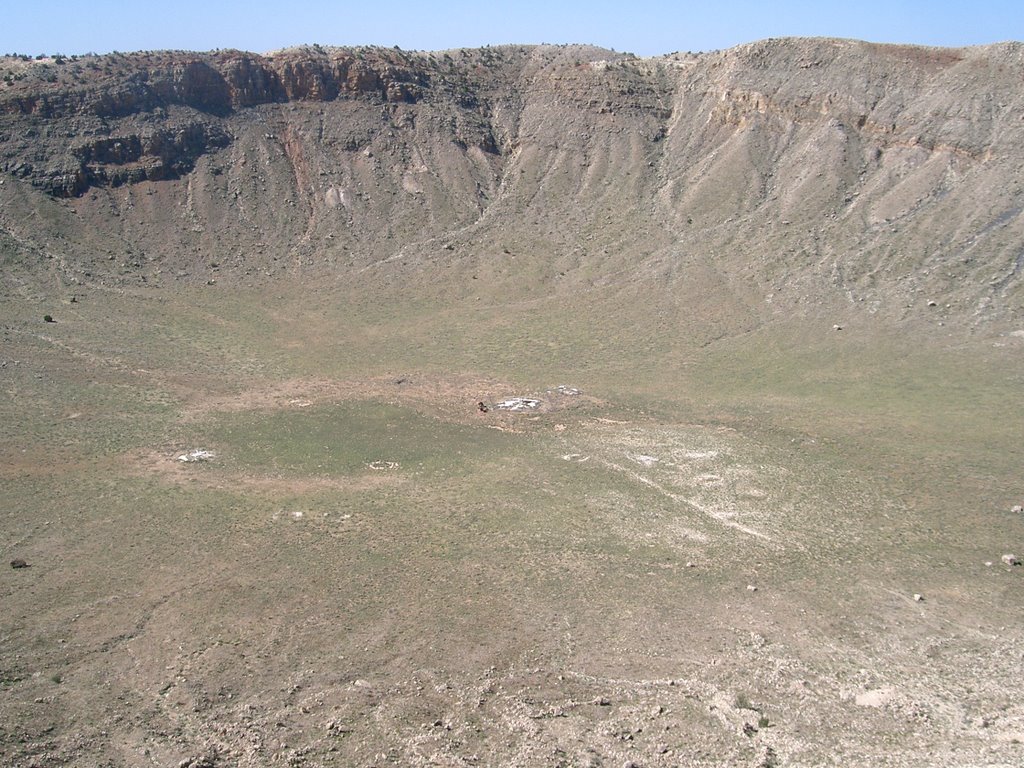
(643, 27)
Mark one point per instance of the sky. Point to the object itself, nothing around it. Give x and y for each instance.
(643, 27)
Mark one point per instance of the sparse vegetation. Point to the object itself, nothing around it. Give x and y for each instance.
(742, 701)
(368, 556)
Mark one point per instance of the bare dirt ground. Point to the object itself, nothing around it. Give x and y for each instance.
(769, 529)
(452, 398)
(598, 587)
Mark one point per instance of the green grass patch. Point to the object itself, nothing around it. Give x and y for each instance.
(349, 438)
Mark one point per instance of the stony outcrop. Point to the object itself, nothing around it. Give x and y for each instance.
(147, 86)
(808, 166)
(219, 83)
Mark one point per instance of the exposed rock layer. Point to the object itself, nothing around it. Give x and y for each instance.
(885, 175)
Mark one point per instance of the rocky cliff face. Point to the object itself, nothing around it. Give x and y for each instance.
(792, 169)
(144, 87)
